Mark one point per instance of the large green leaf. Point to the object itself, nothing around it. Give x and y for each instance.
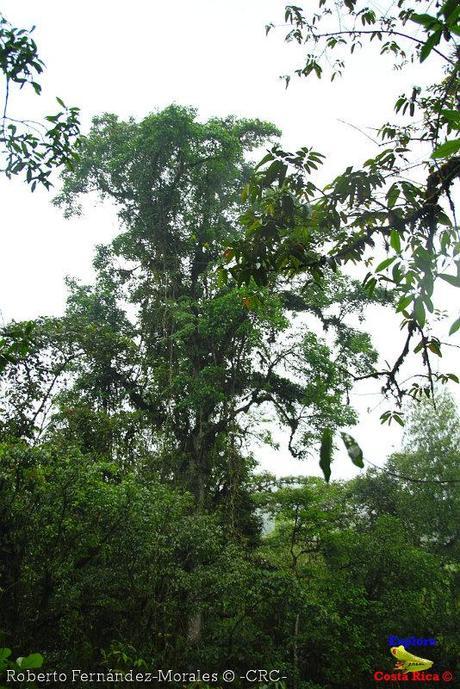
(453, 280)
(446, 149)
(30, 662)
(354, 451)
(325, 453)
(425, 20)
(384, 264)
(428, 46)
(419, 309)
(453, 117)
(395, 240)
(454, 327)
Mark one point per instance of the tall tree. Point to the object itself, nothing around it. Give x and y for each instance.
(421, 483)
(161, 340)
(161, 363)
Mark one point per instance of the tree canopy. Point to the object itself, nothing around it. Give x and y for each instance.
(159, 339)
(395, 216)
(138, 530)
(114, 563)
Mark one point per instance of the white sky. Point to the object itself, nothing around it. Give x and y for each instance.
(132, 58)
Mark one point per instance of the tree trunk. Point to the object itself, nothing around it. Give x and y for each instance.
(194, 628)
(295, 660)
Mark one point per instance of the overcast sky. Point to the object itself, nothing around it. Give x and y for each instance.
(134, 57)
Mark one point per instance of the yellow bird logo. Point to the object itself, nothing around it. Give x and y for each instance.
(407, 662)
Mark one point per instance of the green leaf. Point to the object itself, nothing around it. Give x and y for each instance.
(5, 653)
(393, 195)
(419, 311)
(449, 10)
(222, 277)
(325, 453)
(453, 117)
(425, 20)
(30, 662)
(395, 240)
(434, 347)
(354, 451)
(454, 327)
(384, 264)
(370, 286)
(453, 280)
(276, 170)
(446, 149)
(444, 219)
(428, 46)
(404, 302)
(265, 159)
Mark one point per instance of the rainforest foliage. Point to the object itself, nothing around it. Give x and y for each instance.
(137, 528)
(394, 216)
(30, 149)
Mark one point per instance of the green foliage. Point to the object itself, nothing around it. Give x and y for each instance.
(190, 357)
(30, 662)
(131, 513)
(14, 343)
(359, 576)
(326, 453)
(81, 520)
(429, 498)
(342, 567)
(31, 148)
(294, 227)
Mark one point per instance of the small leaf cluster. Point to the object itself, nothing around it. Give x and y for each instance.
(33, 149)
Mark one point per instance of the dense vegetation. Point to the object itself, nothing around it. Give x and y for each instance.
(104, 565)
(131, 509)
(394, 216)
(137, 529)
